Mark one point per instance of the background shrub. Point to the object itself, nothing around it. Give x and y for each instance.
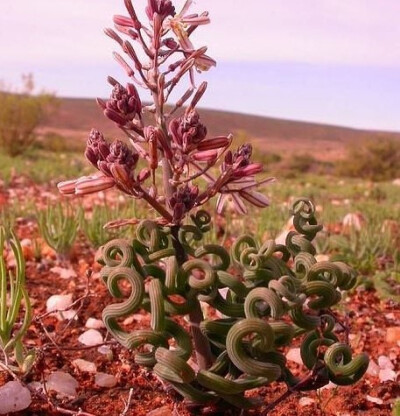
(21, 112)
(375, 159)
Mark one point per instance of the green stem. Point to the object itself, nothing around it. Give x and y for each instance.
(201, 342)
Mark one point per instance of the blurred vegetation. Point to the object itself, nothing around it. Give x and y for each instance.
(375, 159)
(21, 112)
(43, 166)
(55, 142)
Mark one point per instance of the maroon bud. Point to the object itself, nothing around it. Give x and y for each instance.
(216, 143)
(249, 170)
(129, 71)
(97, 149)
(170, 43)
(143, 175)
(229, 157)
(132, 14)
(115, 116)
(123, 21)
(113, 35)
(163, 8)
(101, 103)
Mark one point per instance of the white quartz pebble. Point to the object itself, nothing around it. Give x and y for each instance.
(14, 397)
(294, 355)
(62, 383)
(91, 337)
(93, 323)
(105, 380)
(84, 365)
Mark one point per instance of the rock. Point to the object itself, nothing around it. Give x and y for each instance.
(105, 380)
(384, 363)
(93, 323)
(161, 411)
(84, 365)
(328, 386)
(60, 303)
(390, 316)
(14, 397)
(91, 337)
(393, 335)
(64, 273)
(306, 401)
(105, 350)
(387, 375)
(374, 399)
(62, 383)
(294, 355)
(373, 368)
(35, 385)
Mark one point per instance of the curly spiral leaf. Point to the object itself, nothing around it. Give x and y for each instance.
(238, 353)
(343, 369)
(266, 304)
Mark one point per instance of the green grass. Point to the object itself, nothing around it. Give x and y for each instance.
(43, 167)
(371, 251)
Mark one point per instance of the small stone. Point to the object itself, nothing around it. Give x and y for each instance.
(374, 399)
(161, 411)
(393, 335)
(384, 363)
(105, 350)
(373, 369)
(14, 397)
(35, 385)
(328, 386)
(61, 303)
(84, 365)
(58, 302)
(64, 273)
(294, 355)
(387, 375)
(105, 380)
(93, 323)
(63, 383)
(91, 337)
(306, 401)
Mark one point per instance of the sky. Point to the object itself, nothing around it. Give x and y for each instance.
(329, 61)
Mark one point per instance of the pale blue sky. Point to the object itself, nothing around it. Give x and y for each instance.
(333, 61)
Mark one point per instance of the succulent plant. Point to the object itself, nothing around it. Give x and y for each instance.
(258, 297)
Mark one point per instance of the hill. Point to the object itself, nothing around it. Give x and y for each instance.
(76, 116)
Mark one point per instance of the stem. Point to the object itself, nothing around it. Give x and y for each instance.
(201, 342)
(156, 205)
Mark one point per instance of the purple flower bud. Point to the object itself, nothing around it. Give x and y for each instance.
(183, 200)
(124, 104)
(122, 155)
(249, 170)
(162, 7)
(97, 149)
(123, 21)
(187, 131)
(143, 175)
(170, 43)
